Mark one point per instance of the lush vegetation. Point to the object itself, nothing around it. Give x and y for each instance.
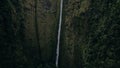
(20, 35)
(89, 38)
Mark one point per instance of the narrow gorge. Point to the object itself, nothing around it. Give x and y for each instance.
(59, 33)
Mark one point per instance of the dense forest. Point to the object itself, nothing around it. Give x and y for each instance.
(90, 34)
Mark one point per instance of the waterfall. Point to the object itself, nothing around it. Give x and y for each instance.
(59, 32)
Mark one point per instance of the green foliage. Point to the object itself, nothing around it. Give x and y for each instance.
(15, 50)
(96, 31)
(90, 34)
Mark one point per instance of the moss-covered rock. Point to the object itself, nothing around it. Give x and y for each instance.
(90, 34)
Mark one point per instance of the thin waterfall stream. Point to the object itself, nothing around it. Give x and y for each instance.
(59, 33)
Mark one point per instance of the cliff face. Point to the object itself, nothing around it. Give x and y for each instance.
(90, 34)
(41, 30)
(28, 33)
(73, 33)
(46, 22)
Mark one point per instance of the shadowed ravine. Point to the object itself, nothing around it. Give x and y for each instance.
(59, 32)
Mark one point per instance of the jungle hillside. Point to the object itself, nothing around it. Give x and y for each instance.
(79, 33)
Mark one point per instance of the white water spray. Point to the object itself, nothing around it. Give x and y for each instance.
(59, 32)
